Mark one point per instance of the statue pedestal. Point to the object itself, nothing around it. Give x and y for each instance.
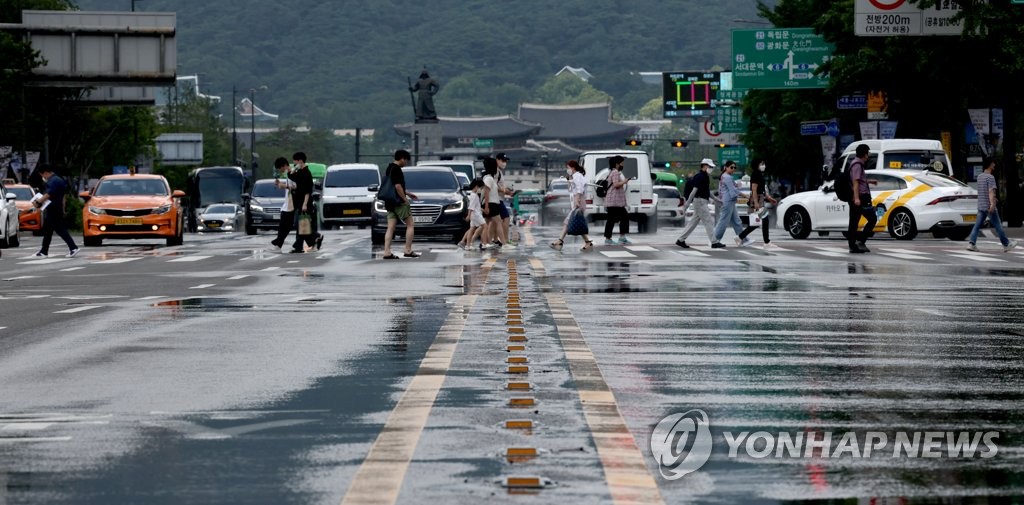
(426, 139)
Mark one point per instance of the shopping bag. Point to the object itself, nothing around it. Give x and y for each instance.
(754, 218)
(305, 225)
(577, 223)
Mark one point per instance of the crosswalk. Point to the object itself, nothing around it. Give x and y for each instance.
(815, 251)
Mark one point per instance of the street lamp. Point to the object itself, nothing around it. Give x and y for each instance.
(544, 158)
(252, 127)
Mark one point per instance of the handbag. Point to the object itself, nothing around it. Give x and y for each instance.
(305, 224)
(577, 223)
(387, 193)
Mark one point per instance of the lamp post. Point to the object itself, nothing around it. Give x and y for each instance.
(234, 126)
(252, 128)
(544, 158)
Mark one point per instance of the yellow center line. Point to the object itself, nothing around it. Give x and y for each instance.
(380, 477)
(626, 473)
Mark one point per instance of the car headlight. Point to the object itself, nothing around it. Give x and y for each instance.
(255, 208)
(453, 208)
(97, 211)
(379, 207)
(162, 210)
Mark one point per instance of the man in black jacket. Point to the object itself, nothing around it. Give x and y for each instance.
(302, 200)
(701, 182)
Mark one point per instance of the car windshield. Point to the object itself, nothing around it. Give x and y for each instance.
(220, 209)
(21, 193)
(917, 160)
(362, 178)
(267, 189)
(937, 180)
(666, 192)
(132, 187)
(431, 180)
(560, 186)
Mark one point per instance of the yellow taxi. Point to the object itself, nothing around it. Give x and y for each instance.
(30, 217)
(132, 206)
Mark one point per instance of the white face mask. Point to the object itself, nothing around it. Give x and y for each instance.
(761, 167)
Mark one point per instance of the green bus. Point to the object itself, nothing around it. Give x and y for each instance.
(669, 179)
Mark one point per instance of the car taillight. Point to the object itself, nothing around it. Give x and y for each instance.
(589, 202)
(646, 201)
(548, 198)
(953, 198)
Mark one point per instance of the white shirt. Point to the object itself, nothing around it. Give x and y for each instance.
(474, 204)
(288, 186)
(492, 185)
(579, 187)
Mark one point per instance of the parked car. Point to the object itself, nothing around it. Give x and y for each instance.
(668, 205)
(556, 203)
(263, 206)
(902, 154)
(349, 192)
(906, 201)
(8, 219)
(31, 218)
(439, 209)
(132, 206)
(222, 217)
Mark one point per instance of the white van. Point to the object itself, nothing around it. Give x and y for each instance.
(902, 154)
(348, 194)
(641, 202)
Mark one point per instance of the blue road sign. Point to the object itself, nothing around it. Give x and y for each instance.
(852, 102)
(819, 128)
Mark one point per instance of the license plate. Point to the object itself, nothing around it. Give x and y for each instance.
(353, 211)
(970, 218)
(275, 216)
(214, 225)
(422, 219)
(128, 220)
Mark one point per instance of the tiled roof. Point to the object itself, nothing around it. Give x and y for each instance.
(568, 122)
(479, 127)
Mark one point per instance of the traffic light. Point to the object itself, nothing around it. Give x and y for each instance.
(723, 145)
(678, 143)
(633, 142)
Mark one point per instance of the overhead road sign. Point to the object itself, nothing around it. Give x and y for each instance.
(688, 94)
(779, 58)
(830, 127)
(888, 18)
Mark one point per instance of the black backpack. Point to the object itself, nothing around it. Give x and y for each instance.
(842, 184)
(602, 188)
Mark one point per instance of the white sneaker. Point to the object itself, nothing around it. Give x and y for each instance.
(770, 246)
(739, 241)
(972, 247)
(73, 253)
(1011, 245)
(746, 242)
(38, 255)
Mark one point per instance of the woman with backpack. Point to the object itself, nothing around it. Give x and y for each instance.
(615, 202)
(576, 221)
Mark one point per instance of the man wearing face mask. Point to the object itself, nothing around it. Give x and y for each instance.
(760, 203)
(701, 182)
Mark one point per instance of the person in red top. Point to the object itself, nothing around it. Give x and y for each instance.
(860, 204)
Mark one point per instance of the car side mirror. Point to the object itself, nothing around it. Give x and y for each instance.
(654, 177)
(636, 178)
(374, 188)
(316, 195)
(84, 195)
(178, 194)
(246, 196)
(465, 187)
(11, 196)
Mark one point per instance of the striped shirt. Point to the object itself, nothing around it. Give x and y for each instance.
(986, 182)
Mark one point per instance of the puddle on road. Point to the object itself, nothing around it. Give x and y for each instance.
(203, 304)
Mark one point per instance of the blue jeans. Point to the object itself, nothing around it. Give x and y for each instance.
(997, 224)
(728, 217)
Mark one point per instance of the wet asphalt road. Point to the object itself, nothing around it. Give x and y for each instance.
(223, 372)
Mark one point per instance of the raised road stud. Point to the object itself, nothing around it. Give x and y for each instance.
(522, 402)
(515, 348)
(517, 359)
(515, 454)
(518, 386)
(519, 424)
(518, 369)
(518, 338)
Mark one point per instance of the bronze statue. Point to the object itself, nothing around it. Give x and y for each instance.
(426, 87)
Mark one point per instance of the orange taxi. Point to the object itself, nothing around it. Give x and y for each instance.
(30, 218)
(132, 206)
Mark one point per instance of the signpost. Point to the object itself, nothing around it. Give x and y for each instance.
(483, 143)
(852, 102)
(709, 135)
(780, 58)
(729, 113)
(887, 18)
(829, 127)
(737, 153)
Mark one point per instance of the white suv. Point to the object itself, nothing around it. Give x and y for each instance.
(641, 202)
(348, 194)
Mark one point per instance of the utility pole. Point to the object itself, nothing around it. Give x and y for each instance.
(358, 135)
(234, 126)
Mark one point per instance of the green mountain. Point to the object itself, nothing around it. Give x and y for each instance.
(343, 63)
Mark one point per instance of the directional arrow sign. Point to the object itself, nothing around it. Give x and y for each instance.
(813, 128)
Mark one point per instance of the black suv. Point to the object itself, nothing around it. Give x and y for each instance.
(439, 208)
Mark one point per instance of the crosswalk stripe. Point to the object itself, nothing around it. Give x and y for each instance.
(690, 252)
(978, 257)
(71, 269)
(73, 310)
(237, 277)
(641, 248)
(42, 261)
(27, 440)
(115, 261)
(203, 286)
(189, 259)
(618, 254)
(904, 256)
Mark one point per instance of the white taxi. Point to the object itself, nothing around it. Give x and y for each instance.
(906, 202)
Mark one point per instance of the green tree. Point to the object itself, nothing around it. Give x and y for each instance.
(568, 89)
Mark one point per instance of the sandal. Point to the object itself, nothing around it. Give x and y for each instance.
(557, 245)
(588, 246)
(389, 257)
(412, 254)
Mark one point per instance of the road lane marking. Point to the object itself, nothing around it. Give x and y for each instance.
(115, 261)
(933, 312)
(43, 261)
(692, 253)
(203, 286)
(71, 269)
(641, 248)
(83, 308)
(153, 297)
(618, 254)
(188, 259)
(978, 257)
(236, 277)
(28, 440)
(26, 426)
(380, 476)
(20, 277)
(904, 256)
(268, 269)
(628, 479)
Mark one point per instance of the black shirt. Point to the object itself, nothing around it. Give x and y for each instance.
(56, 188)
(396, 176)
(702, 182)
(758, 178)
(303, 180)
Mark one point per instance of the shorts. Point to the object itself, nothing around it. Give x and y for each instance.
(477, 219)
(504, 211)
(402, 212)
(493, 210)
